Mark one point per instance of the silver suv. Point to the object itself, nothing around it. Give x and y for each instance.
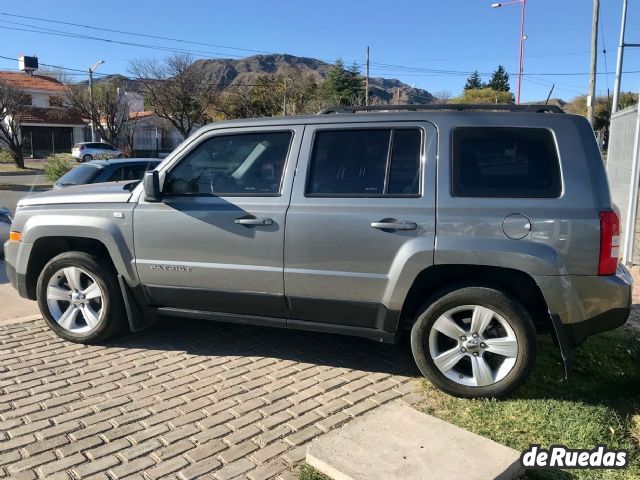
(472, 230)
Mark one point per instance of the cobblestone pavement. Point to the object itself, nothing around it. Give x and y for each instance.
(184, 399)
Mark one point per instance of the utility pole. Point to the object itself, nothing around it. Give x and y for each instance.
(92, 69)
(93, 131)
(523, 37)
(591, 99)
(616, 88)
(366, 82)
(284, 100)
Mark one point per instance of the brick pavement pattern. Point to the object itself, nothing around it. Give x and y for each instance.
(184, 399)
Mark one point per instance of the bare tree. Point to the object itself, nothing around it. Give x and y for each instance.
(129, 134)
(56, 73)
(109, 112)
(174, 90)
(13, 107)
(442, 96)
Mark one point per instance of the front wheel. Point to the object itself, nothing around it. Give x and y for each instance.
(79, 298)
(474, 342)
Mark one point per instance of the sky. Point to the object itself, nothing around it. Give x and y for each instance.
(430, 44)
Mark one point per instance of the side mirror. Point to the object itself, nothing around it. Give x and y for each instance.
(151, 183)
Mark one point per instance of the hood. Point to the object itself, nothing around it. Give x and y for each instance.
(112, 192)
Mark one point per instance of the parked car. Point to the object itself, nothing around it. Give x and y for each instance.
(470, 230)
(98, 171)
(84, 152)
(5, 224)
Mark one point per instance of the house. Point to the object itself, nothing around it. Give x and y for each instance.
(152, 135)
(46, 127)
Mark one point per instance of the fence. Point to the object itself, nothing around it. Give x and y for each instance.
(623, 171)
(40, 142)
(155, 139)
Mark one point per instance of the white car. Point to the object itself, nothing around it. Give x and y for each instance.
(83, 152)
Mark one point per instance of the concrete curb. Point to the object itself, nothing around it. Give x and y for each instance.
(17, 174)
(399, 442)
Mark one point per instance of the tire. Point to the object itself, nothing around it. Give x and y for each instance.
(121, 156)
(90, 318)
(87, 158)
(464, 366)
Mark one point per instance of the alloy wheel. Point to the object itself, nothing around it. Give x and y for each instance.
(473, 345)
(75, 300)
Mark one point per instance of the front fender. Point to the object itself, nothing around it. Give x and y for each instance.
(100, 224)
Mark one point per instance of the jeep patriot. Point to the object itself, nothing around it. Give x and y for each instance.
(472, 230)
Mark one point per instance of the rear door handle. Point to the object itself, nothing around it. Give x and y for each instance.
(253, 221)
(394, 225)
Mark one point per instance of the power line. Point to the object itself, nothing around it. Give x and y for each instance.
(157, 37)
(58, 33)
(385, 67)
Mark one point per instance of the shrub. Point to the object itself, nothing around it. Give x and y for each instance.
(56, 166)
(5, 156)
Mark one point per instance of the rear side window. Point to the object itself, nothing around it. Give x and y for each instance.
(499, 162)
(365, 163)
(128, 172)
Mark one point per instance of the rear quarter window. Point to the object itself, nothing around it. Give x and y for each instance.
(80, 175)
(504, 162)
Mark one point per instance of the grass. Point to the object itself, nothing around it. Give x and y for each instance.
(30, 164)
(601, 404)
(310, 473)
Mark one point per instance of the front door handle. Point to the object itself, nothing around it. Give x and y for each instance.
(253, 221)
(390, 224)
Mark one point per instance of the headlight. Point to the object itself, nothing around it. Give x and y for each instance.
(5, 217)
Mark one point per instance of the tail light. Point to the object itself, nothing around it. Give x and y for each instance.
(609, 243)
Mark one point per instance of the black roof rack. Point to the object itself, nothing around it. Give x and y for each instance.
(535, 108)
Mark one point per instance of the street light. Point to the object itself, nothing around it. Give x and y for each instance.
(92, 69)
(523, 37)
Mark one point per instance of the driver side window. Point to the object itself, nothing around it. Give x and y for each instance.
(227, 165)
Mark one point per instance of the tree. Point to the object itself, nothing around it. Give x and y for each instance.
(484, 96)
(109, 112)
(13, 107)
(343, 86)
(56, 73)
(499, 80)
(602, 109)
(442, 96)
(174, 91)
(287, 93)
(474, 82)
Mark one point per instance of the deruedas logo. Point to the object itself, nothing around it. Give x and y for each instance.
(559, 456)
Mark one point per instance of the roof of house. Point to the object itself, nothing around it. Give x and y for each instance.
(32, 82)
(142, 114)
(56, 116)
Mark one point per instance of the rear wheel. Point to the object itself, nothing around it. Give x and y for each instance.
(87, 158)
(474, 342)
(79, 298)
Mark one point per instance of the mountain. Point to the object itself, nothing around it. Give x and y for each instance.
(225, 72)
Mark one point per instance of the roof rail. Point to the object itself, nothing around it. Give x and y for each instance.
(535, 108)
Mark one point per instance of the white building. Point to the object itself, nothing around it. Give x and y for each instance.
(46, 127)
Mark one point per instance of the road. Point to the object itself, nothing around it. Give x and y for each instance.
(15, 187)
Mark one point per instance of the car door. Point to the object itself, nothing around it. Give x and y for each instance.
(364, 210)
(215, 241)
